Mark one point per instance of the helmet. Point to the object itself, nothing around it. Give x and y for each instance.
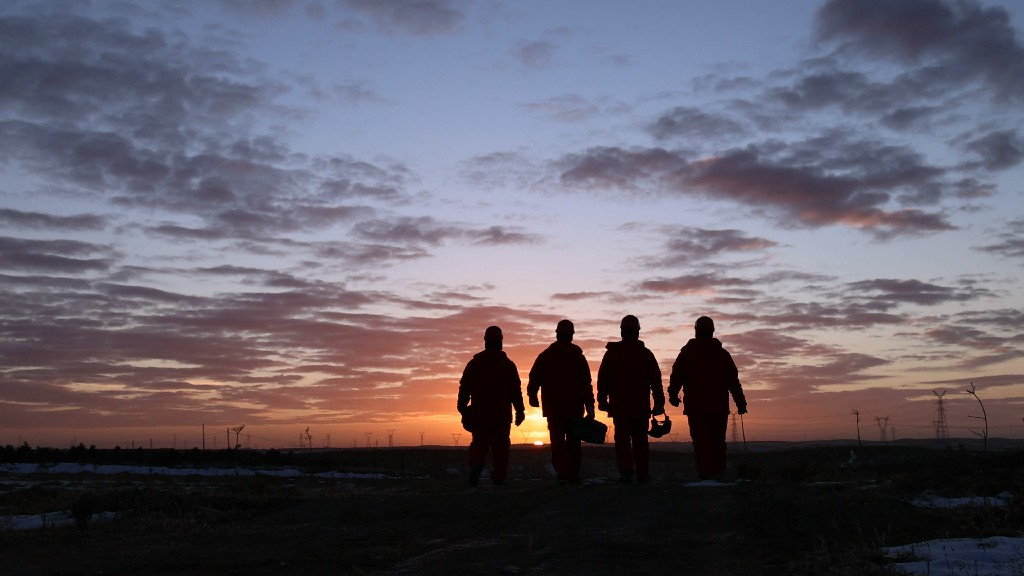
(630, 322)
(659, 429)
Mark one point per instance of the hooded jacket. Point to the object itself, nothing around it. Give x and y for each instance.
(627, 379)
(706, 374)
(490, 385)
(562, 376)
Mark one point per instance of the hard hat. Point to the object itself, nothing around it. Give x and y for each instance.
(492, 334)
(630, 322)
(659, 429)
(565, 327)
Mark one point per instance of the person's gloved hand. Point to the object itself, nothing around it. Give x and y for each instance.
(590, 411)
(534, 402)
(674, 400)
(658, 410)
(742, 409)
(520, 416)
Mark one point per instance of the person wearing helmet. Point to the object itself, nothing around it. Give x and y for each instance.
(489, 391)
(705, 373)
(561, 375)
(627, 379)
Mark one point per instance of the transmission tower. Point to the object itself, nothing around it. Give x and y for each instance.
(735, 430)
(391, 438)
(883, 427)
(941, 429)
(421, 438)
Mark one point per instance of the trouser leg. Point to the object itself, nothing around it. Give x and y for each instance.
(559, 447)
(641, 451)
(623, 445)
(500, 449)
(574, 459)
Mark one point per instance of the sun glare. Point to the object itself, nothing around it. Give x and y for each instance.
(538, 443)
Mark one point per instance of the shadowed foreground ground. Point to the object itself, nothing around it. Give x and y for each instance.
(796, 512)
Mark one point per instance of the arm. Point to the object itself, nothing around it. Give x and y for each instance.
(735, 388)
(465, 386)
(657, 392)
(603, 374)
(535, 383)
(675, 379)
(516, 390)
(586, 385)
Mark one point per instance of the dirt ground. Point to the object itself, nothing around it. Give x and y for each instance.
(787, 520)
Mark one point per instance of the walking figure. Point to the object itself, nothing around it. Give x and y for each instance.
(489, 391)
(561, 375)
(628, 378)
(705, 373)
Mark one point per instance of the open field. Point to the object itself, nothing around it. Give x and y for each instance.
(795, 510)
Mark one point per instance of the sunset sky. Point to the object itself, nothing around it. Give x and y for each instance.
(303, 215)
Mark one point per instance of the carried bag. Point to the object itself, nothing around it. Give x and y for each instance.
(588, 430)
(659, 429)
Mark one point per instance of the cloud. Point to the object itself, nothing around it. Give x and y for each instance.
(142, 119)
(427, 230)
(1011, 244)
(893, 292)
(566, 108)
(41, 221)
(812, 183)
(813, 365)
(52, 256)
(700, 284)
(950, 43)
(540, 53)
(415, 17)
(690, 245)
(999, 150)
(689, 123)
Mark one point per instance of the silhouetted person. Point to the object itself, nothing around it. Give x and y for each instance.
(562, 376)
(627, 379)
(706, 374)
(488, 392)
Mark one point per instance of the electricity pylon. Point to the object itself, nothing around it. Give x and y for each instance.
(941, 429)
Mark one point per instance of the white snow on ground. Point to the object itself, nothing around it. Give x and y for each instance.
(932, 501)
(996, 556)
(51, 520)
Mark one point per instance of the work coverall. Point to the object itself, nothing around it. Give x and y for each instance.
(562, 376)
(490, 390)
(705, 373)
(626, 381)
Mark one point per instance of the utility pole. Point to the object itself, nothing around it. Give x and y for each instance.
(857, 414)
